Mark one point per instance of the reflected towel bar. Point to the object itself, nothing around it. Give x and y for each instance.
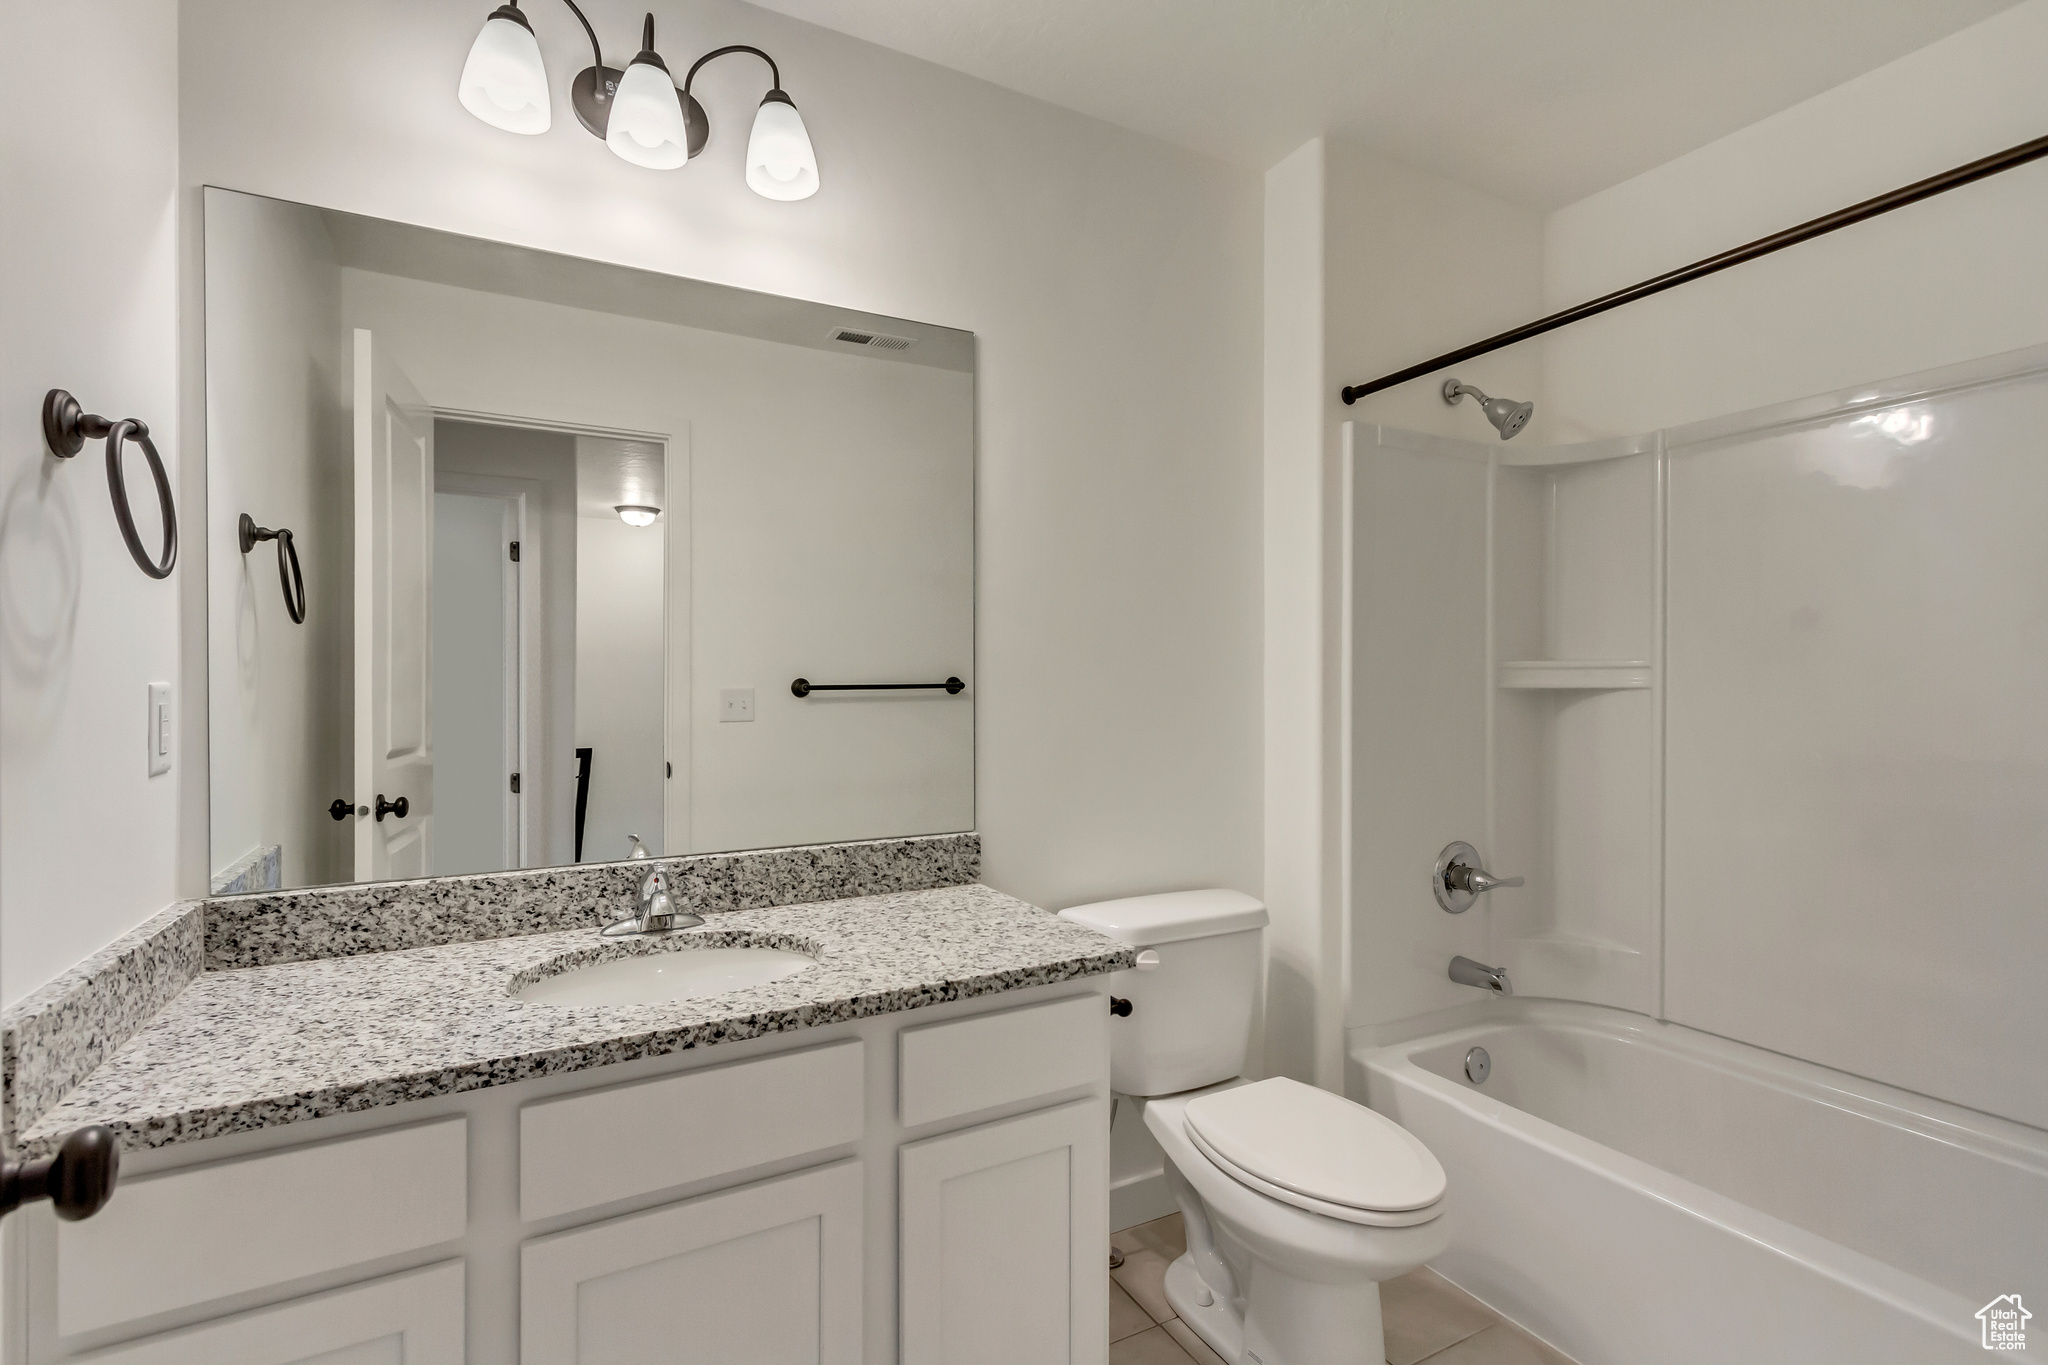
(803, 687)
(1762, 246)
(288, 575)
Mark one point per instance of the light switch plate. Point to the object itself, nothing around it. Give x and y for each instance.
(736, 703)
(159, 728)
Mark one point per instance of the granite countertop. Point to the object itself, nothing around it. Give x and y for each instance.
(257, 1047)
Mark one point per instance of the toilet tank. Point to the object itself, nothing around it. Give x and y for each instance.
(1192, 993)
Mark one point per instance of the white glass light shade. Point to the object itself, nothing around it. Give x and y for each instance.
(504, 82)
(780, 162)
(646, 124)
(634, 515)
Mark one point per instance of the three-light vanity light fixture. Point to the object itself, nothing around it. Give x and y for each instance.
(640, 112)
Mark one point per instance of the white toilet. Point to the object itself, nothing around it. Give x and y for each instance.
(1297, 1202)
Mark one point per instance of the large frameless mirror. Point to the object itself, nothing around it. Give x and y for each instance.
(518, 559)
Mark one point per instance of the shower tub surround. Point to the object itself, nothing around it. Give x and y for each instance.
(1749, 692)
(82, 1039)
(1795, 1213)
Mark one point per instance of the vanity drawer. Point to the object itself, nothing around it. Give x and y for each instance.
(416, 1316)
(188, 1237)
(955, 1068)
(580, 1151)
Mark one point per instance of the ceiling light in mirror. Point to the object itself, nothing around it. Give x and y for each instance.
(504, 82)
(780, 162)
(637, 515)
(647, 125)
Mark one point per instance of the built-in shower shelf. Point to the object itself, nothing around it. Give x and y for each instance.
(1581, 944)
(1581, 675)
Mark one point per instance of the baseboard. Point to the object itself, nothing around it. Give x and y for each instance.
(1139, 1199)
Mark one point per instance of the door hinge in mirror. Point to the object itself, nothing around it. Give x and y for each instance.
(515, 784)
(515, 552)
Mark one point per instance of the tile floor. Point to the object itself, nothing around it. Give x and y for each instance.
(1427, 1317)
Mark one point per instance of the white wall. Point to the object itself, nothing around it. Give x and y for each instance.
(1295, 472)
(1371, 265)
(1951, 278)
(619, 681)
(88, 302)
(280, 705)
(1113, 283)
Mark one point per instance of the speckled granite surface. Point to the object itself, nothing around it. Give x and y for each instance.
(265, 1046)
(260, 869)
(378, 917)
(53, 1039)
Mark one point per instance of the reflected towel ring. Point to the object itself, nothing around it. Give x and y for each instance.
(67, 426)
(288, 575)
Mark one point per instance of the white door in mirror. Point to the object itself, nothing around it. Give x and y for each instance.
(394, 658)
(687, 974)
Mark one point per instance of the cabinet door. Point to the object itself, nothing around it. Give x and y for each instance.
(1005, 1234)
(409, 1319)
(767, 1274)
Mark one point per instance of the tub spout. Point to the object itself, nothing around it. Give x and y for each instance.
(1466, 972)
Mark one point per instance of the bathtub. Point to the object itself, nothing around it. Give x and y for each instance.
(1638, 1193)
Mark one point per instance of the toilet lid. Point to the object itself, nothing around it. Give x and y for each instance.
(1312, 1143)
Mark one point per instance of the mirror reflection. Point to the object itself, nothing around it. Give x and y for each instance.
(517, 559)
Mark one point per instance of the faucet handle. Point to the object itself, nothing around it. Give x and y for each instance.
(1460, 878)
(657, 914)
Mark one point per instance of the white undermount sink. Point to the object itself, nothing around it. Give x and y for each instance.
(651, 978)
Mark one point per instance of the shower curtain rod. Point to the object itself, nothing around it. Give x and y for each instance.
(1762, 246)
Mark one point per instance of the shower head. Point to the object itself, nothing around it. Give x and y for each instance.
(1507, 416)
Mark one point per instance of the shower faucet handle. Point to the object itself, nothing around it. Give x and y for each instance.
(1475, 881)
(1460, 878)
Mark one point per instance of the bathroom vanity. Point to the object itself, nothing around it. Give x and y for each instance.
(898, 1153)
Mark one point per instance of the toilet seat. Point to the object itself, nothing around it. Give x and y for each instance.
(1317, 1151)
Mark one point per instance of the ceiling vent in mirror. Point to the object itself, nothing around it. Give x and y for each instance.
(880, 341)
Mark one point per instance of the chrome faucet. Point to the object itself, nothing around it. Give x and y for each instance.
(1466, 972)
(657, 913)
(1460, 878)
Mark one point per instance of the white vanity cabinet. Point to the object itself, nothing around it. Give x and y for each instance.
(769, 1273)
(996, 1222)
(928, 1186)
(396, 1320)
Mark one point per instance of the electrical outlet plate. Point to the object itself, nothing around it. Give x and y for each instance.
(159, 728)
(735, 704)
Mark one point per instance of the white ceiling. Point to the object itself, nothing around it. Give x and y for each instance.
(1541, 101)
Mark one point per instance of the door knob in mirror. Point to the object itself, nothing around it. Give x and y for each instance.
(398, 808)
